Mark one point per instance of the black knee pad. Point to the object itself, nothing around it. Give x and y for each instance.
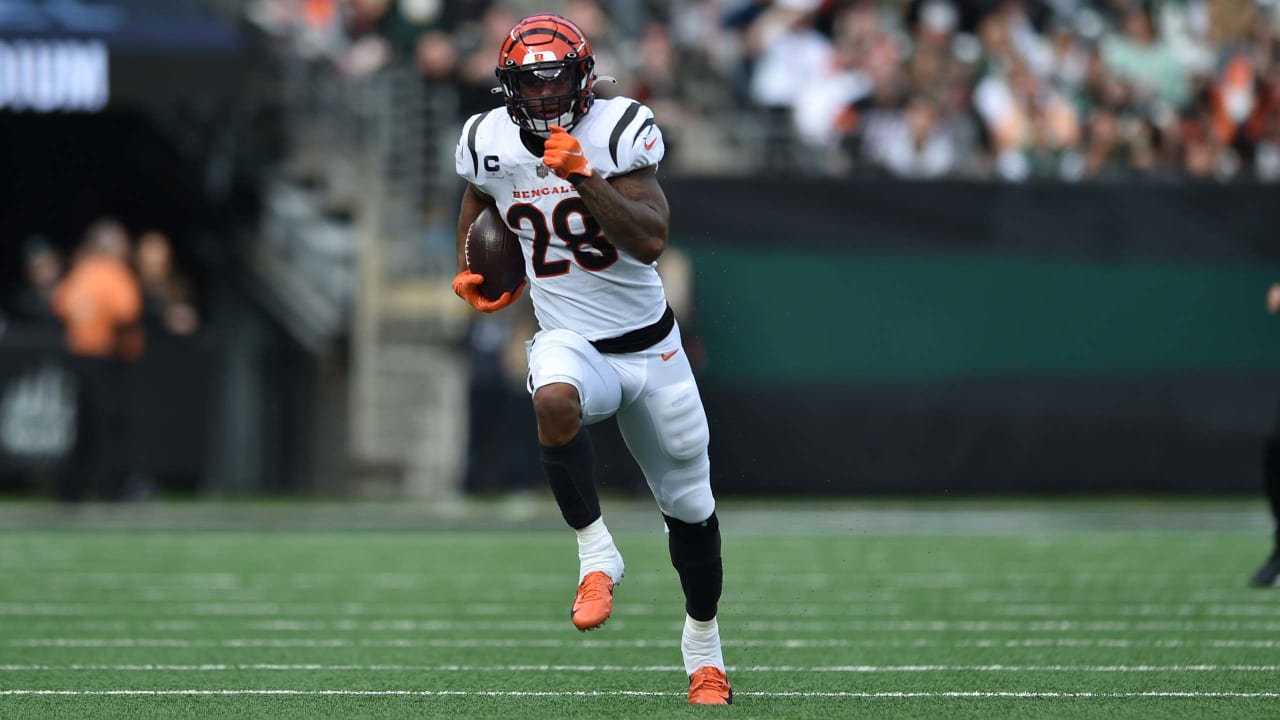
(695, 554)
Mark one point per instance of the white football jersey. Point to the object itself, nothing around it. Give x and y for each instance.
(578, 280)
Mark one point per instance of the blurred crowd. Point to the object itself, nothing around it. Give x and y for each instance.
(1015, 89)
(1009, 89)
(112, 303)
(111, 294)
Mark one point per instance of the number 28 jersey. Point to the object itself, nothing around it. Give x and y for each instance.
(578, 280)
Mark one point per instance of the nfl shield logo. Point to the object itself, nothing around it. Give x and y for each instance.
(543, 170)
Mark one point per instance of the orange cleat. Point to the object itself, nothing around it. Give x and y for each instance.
(709, 686)
(594, 602)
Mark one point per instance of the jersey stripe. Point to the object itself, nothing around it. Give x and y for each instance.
(471, 142)
(648, 123)
(626, 119)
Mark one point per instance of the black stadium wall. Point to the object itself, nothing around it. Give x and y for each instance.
(886, 338)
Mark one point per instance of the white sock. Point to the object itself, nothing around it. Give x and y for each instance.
(700, 645)
(596, 551)
(592, 532)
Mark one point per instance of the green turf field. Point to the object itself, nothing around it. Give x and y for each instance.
(1123, 609)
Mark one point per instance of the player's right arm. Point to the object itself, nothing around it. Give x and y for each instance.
(474, 201)
(1273, 299)
(466, 283)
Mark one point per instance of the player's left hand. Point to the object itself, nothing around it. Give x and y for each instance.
(563, 154)
(1273, 299)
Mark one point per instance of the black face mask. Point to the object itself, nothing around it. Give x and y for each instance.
(539, 96)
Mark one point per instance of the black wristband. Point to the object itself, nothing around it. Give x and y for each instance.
(576, 178)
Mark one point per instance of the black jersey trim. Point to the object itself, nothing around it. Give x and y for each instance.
(471, 142)
(626, 119)
(535, 144)
(648, 123)
(637, 340)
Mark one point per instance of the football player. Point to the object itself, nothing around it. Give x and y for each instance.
(1269, 574)
(575, 177)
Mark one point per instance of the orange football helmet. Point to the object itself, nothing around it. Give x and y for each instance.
(546, 70)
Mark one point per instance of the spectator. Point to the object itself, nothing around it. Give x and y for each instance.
(916, 147)
(788, 50)
(875, 115)
(168, 301)
(1068, 60)
(459, 14)
(823, 105)
(403, 22)
(43, 268)
(1269, 574)
(935, 26)
(100, 305)
(1267, 155)
(612, 51)
(712, 42)
(478, 55)
(1205, 137)
(1103, 151)
(436, 57)
(1025, 115)
(369, 50)
(657, 84)
(1140, 57)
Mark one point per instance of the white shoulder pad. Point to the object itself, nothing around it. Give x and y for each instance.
(628, 136)
(466, 158)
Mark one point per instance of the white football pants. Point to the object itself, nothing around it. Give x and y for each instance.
(656, 400)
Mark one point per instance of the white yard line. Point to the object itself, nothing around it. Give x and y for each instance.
(646, 693)
(590, 643)
(858, 669)
(971, 626)
(1117, 643)
(734, 624)
(229, 582)
(1106, 519)
(188, 608)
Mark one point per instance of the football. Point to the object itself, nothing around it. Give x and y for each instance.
(494, 252)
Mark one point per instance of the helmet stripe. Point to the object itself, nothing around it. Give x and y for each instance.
(544, 24)
(548, 31)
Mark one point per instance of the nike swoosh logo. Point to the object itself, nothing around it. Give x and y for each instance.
(668, 355)
(649, 145)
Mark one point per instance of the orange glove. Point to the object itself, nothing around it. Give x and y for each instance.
(467, 285)
(563, 154)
